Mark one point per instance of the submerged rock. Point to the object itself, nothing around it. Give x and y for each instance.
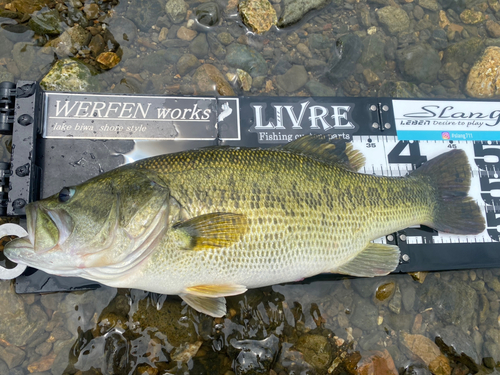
(484, 77)
(46, 22)
(69, 75)
(293, 79)
(419, 63)
(296, 9)
(395, 19)
(247, 59)
(343, 57)
(258, 15)
(254, 356)
(316, 349)
(210, 81)
(208, 14)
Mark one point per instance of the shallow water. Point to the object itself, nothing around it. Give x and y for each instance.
(443, 323)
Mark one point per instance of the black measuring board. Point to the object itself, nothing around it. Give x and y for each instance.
(82, 135)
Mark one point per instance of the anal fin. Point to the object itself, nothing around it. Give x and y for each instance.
(214, 291)
(375, 260)
(215, 307)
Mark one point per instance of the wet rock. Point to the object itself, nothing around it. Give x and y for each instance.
(343, 57)
(144, 14)
(293, 79)
(316, 88)
(472, 17)
(419, 63)
(186, 34)
(408, 293)
(466, 51)
(365, 315)
(254, 356)
(428, 352)
(484, 78)
(210, 81)
(371, 77)
(395, 303)
(12, 355)
(97, 45)
(187, 63)
(493, 29)
(399, 322)
(155, 61)
(244, 79)
(258, 15)
(293, 361)
(247, 59)
(316, 349)
(372, 341)
(4, 369)
(429, 4)
(453, 302)
(208, 14)
(313, 65)
(438, 39)
(24, 55)
(199, 46)
(176, 10)
(376, 362)
(320, 41)
(456, 344)
(171, 320)
(304, 50)
(395, 19)
(91, 11)
(364, 286)
(46, 22)
(124, 31)
(373, 56)
(216, 47)
(225, 38)
(416, 369)
(71, 41)
(43, 364)
(296, 9)
(108, 60)
(29, 6)
(16, 328)
(74, 16)
(185, 352)
(385, 291)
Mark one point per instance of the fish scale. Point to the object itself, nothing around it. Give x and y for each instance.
(210, 223)
(322, 212)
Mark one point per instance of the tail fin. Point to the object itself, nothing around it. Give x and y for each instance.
(455, 211)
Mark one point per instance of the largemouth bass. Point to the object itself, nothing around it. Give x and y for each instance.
(213, 222)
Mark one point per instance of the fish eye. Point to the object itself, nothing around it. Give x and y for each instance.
(66, 194)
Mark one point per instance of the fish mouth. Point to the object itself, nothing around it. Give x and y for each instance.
(40, 219)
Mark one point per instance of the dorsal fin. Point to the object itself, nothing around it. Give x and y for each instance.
(336, 151)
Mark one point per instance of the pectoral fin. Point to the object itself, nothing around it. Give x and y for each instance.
(215, 307)
(220, 229)
(375, 260)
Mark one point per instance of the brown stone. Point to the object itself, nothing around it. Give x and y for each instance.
(456, 28)
(471, 17)
(376, 363)
(108, 60)
(425, 349)
(29, 6)
(443, 19)
(258, 15)
(186, 34)
(384, 291)
(493, 29)
(43, 364)
(484, 78)
(210, 80)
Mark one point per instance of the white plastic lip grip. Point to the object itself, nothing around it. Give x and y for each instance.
(10, 229)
